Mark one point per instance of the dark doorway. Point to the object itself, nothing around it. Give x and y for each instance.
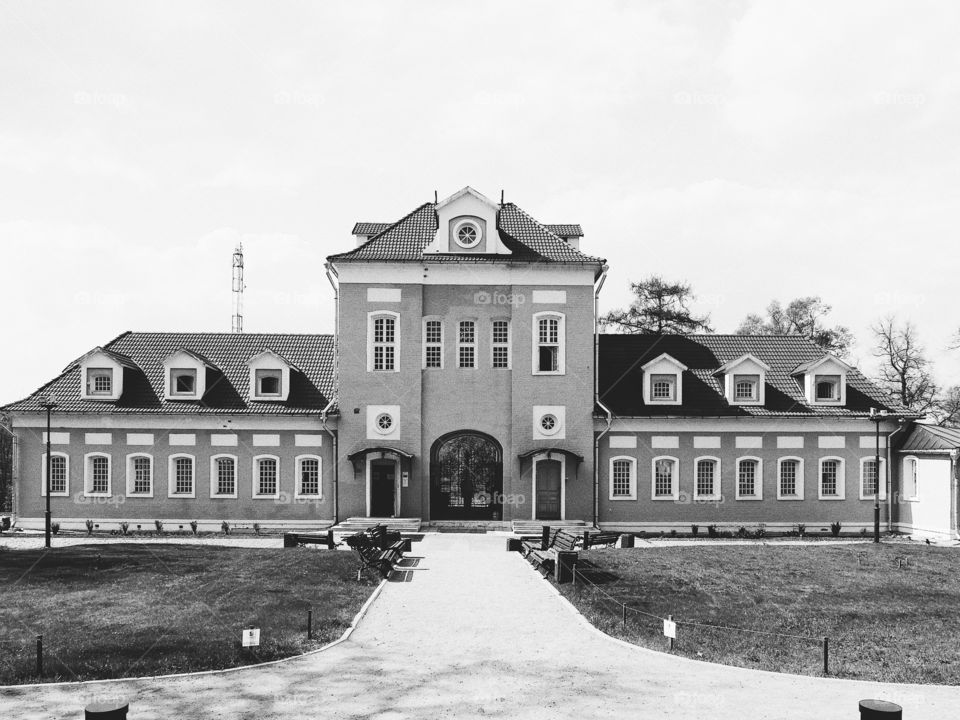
(383, 480)
(466, 477)
(548, 489)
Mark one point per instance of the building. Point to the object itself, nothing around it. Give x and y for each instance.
(465, 382)
(928, 469)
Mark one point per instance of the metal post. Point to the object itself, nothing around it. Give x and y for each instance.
(39, 655)
(670, 617)
(876, 500)
(309, 624)
(624, 613)
(46, 516)
(826, 655)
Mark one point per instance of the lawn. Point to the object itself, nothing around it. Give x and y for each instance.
(123, 610)
(892, 612)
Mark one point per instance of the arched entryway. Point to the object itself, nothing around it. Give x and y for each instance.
(466, 477)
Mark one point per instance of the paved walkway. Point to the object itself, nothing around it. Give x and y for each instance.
(473, 632)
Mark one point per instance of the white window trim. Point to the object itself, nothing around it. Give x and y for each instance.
(474, 344)
(841, 479)
(172, 376)
(433, 318)
(812, 379)
(371, 317)
(89, 387)
(255, 484)
(257, 395)
(472, 222)
(215, 476)
(172, 477)
(916, 485)
(88, 475)
(800, 478)
(881, 477)
(632, 495)
(760, 387)
(675, 490)
(508, 344)
(757, 481)
(43, 474)
(131, 475)
(296, 481)
(561, 343)
(717, 485)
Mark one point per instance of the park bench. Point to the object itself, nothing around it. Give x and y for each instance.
(593, 539)
(303, 539)
(385, 539)
(373, 556)
(542, 553)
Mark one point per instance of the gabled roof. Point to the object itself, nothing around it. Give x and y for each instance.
(813, 364)
(143, 390)
(728, 366)
(272, 353)
(621, 359)
(118, 358)
(668, 358)
(195, 355)
(562, 230)
(924, 438)
(404, 241)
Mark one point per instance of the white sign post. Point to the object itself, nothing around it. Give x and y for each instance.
(670, 630)
(251, 637)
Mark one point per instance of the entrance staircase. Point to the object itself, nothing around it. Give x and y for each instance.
(535, 527)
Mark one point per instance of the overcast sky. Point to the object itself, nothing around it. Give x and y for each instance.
(756, 150)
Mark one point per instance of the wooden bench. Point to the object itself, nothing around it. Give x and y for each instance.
(383, 538)
(593, 539)
(372, 556)
(291, 540)
(542, 553)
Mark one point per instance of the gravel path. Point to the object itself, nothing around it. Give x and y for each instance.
(472, 631)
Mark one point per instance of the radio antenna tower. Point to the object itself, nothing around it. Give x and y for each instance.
(237, 324)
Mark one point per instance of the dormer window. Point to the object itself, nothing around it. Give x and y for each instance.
(269, 377)
(100, 381)
(183, 381)
(824, 380)
(269, 382)
(664, 387)
(828, 388)
(745, 387)
(101, 374)
(467, 233)
(744, 380)
(662, 381)
(185, 375)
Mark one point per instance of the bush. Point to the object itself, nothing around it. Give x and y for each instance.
(89, 524)
(225, 526)
(801, 529)
(256, 528)
(673, 532)
(695, 529)
(55, 528)
(159, 525)
(742, 532)
(835, 528)
(712, 530)
(761, 531)
(124, 527)
(193, 526)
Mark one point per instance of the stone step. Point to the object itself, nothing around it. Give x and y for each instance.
(535, 527)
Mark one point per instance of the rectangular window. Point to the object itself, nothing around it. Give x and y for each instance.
(664, 471)
(870, 482)
(142, 475)
(789, 471)
(622, 476)
(183, 476)
(58, 474)
(745, 388)
(268, 382)
(747, 478)
(706, 476)
(384, 343)
(501, 343)
(183, 382)
(548, 345)
(433, 344)
(910, 478)
(267, 476)
(310, 476)
(226, 476)
(99, 381)
(828, 388)
(467, 344)
(99, 474)
(829, 476)
(663, 387)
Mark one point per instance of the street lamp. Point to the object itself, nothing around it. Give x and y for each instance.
(48, 402)
(877, 417)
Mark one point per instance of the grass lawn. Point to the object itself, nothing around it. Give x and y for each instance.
(122, 610)
(886, 623)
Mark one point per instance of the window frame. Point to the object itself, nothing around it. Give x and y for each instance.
(177, 372)
(674, 480)
(96, 372)
(132, 475)
(841, 478)
(881, 477)
(799, 479)
(372, 317)
(172, 476)
(461, 344)
(757, 478)
(494, 344)
(215, 476)
(561, 343)
(837, 399)
(88, 459)
(255, 480)
(432, 344)
(754, 380)
(297, 482)
(915, 497)
(259, 374)
(671, 379)
(43, 474)
(632, 479)
(717, 485)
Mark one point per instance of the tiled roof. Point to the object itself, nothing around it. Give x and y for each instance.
(228, 388)
(621, 379)
(563, 230)
(566, 230)
(405, 240)
(931, 437)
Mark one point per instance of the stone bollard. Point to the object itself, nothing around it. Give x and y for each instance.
(880, 710)
(626, 541)
(106, 710)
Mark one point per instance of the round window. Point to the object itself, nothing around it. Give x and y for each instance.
(549, 424)
(384, 423)
(467, 233)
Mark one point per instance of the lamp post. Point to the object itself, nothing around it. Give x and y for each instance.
(877, 417)
(49, 402)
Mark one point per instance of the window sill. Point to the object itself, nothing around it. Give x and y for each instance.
(665, 498)
(830, 497)
(216, 496)
(182, 496)
(300, 496)
(749, 498)
(139, 495)
(56, 494)
(266, 497)
(96, 494)
(623, 497)
(789, 498)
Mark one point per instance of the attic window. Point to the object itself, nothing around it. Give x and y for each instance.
(268, 383)
(467, 234)
(663, 387)
(99, 381)
(183, 381)
(745, 387)
(828, 388)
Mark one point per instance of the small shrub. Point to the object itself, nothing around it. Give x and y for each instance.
(124, 527)
(159, 525)
(835, 528)
(761, 531)
(193, 526)
(742, 532)
(89, 524)
(673, 532)
(139, 527)
(256, 528)
(695, 529)
(55, 528)
(225, 526)
(863, 531)
(712, 530)
(801, 529)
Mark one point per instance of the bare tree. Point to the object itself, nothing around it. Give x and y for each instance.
(803, 316)
(904, 367)
(659, 307)
(948, 407)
